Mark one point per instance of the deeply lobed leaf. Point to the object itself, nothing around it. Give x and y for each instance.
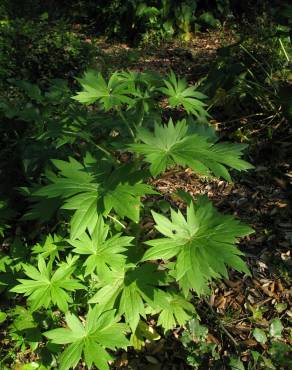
(180, 94)
(100, 331)
(104, 252)
(172, 144)
(112, 94)
(95, 189)
(202, 245)
(128, 289)
(45, 288)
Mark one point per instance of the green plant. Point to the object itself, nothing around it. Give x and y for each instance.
(94, 256)
(41, 50)
(149, 20)
(179, 94)
(253, 72)
(100, 330)
(198, 350)
(45, 288)
(276, 352)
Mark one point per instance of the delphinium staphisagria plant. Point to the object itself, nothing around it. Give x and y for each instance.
(98, 273)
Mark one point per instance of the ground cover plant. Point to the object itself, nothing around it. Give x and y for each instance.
(96, 200)
(50, 45)
(134, 234)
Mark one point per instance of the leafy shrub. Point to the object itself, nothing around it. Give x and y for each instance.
(35, 50)
(199, 351)
(129, 19)
(93, 266)
(254, 72)
(145, 20)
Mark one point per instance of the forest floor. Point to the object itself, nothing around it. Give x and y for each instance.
(260, 198)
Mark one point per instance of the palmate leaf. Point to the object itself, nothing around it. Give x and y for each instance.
(46, 287)
(91, 190)
(143, 88)
(110, 95)
(172, 144)
(180, 94)
(173, 309)
(128, 289)
(103, 251)
(50, 247)
(133, 79)
(202, 244)
(90, 340)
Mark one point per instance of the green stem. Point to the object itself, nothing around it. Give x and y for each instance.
(117, 221)
(141, 118)
(106, 152)
(127, 124)
(284, 50)
(256, 60)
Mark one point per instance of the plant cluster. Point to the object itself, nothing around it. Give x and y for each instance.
(254, 73)
(142, 20)
(93, 258)
(201, 351)
(155, 20)
(41, 49)
(89, 283)
(129, 19)
(163, 18)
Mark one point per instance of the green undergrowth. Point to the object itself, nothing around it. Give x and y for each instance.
(94, 260)
(90, 279)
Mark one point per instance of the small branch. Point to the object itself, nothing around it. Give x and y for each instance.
(233, 340)
(228, 334)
